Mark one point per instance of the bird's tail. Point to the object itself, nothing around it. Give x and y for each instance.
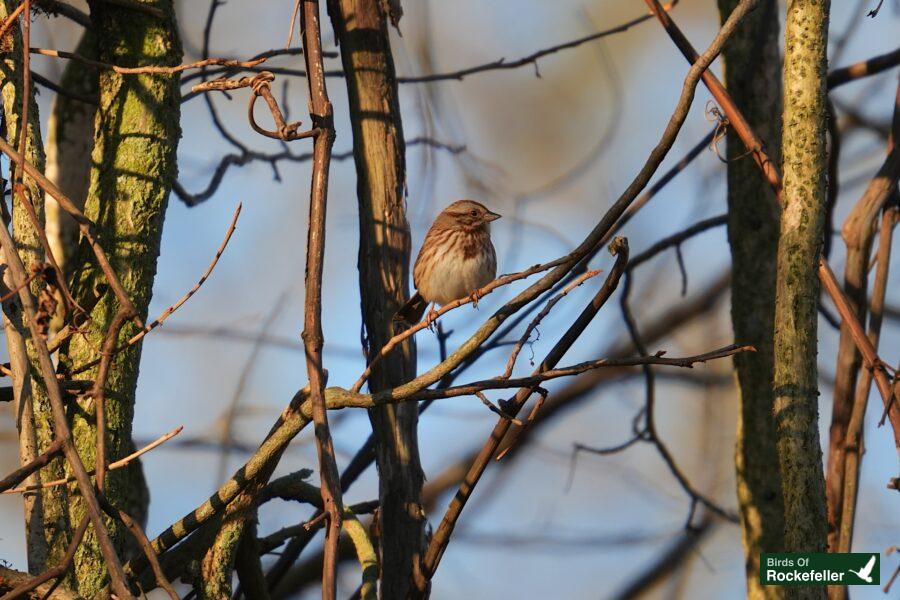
(412, 312)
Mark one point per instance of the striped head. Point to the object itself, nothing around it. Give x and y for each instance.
(466, 214)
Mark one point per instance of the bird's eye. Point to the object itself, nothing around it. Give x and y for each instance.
(473, 212)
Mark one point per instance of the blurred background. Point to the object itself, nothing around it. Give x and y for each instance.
(549, 147)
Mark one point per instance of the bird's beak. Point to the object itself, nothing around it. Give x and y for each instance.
(491, 216)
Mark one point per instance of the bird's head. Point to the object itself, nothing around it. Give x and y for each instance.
(469, 214)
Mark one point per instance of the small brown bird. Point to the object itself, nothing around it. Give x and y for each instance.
(456, 258)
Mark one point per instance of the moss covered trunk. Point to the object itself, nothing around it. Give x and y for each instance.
(70, 140)
(753, 77)
(384, 253)
(135, 142)
(799, 247)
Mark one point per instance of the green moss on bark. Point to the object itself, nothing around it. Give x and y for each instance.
(70, 141)
(217, 566)
(134, 157)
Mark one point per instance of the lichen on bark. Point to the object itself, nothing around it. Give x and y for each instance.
(799, 249)
(134, 165)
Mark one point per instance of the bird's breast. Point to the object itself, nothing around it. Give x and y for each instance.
(461, 267)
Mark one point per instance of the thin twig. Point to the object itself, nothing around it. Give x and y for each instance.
(498, 383)
(248, 156)
(323, 124)
(497, 410)
(890, 582)
(865, 68)
(650, 430)
(64, 92)
(22, 473)
(60, 278)
(171, 309)
(495, 65)
(511, 362)
(531, 59)
(150, 69)
(676, 239)
(285, 131)
(15, 292)
(122, 462)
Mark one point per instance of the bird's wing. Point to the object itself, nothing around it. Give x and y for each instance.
(868, 568)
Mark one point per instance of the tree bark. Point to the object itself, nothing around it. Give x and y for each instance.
(134, 165)
(70, 140)
(753, 78)
(797, 292)
(384, 253)
(217, 564)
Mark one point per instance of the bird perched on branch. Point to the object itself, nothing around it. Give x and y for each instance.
(456, 259)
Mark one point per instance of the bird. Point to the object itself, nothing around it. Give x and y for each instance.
(455, 260)
(866, 572)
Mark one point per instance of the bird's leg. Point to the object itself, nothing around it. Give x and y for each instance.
(430, 317)
(474, 297)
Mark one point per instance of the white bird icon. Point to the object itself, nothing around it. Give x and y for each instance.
(866, 572)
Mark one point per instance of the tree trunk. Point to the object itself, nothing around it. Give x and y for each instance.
(136, 137)
(384, 252)
(753, 77)
(70, 140)
(799, 247)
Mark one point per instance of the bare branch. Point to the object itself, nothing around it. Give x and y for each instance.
(531, 59)
(323, 138)
(122, 462)
(866, 68)
(151, 69)
(22, 473)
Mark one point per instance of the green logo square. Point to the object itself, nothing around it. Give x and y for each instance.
(797, 568)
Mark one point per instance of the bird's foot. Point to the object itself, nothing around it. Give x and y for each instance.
(474, 297)
(430, 318)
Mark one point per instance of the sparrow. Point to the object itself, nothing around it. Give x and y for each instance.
(456, 259)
